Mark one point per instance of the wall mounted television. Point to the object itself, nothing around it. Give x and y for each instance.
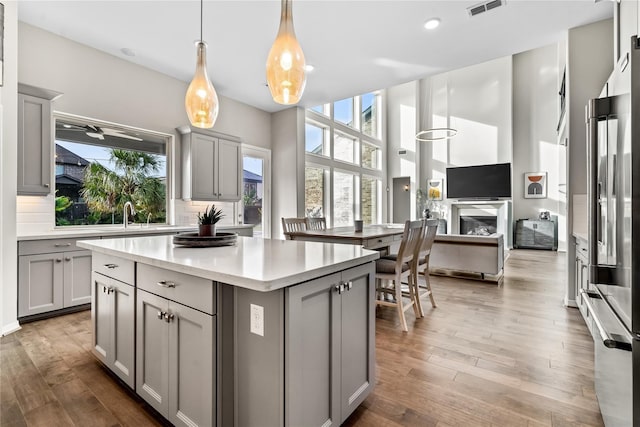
(479, 182)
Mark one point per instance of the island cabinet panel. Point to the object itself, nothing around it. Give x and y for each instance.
(77, 278)
(329, 348)
(113, 322)
(175, 360)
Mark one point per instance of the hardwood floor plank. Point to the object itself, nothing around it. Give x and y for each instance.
(50, 415)
(82, 406)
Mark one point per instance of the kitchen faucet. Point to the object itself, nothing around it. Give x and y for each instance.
(125, 218)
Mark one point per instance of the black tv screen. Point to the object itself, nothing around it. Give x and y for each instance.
(479, 182)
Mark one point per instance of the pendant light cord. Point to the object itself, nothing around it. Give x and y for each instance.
(201, 9)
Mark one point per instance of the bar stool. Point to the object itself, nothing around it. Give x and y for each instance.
(394, 271)
(420, 265)
(289, 225)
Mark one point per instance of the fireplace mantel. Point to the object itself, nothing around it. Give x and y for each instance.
(502, 209)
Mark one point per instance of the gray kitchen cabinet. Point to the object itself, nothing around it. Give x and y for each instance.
(211, 166)
(35, 139)
(581, 276)
(175, 360)
(113, 321)
(52, 275)
(330, 331)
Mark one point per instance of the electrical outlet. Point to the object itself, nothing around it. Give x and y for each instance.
(257, 320)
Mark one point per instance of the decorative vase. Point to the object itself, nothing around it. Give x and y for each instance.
(206, 230)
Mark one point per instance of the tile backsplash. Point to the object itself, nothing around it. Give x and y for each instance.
(35, 213)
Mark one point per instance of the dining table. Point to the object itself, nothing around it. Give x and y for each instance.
(377, 237)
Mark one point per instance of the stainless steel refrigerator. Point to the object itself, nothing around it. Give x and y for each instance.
(613, 297)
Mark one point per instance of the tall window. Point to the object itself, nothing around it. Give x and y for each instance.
(101, 167)
(345, 161)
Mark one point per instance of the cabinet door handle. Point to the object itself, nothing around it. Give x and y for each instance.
(58, 259)
(168, 317)
(46, 185)
(104, 289)
(111, 266)
(349, 285)
(67, 259)
(62, 245)
(166, 284)
(340, 288)
(161, 315)
(110, 290)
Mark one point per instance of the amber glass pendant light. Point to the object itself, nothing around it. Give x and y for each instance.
(285, 65)
(201, 100)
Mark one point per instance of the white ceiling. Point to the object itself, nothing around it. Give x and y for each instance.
(355, 46)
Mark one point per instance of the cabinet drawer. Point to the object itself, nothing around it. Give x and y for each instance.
(191, 291)
(32, 247)
(380, 242)
(114, 267)
(582, 248)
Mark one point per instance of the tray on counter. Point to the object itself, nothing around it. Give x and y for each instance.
(194, 241)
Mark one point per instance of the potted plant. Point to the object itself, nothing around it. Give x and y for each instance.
(207, 221)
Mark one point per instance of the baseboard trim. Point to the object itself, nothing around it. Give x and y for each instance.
(10, 328)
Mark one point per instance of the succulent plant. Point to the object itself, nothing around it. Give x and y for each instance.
(211, 215)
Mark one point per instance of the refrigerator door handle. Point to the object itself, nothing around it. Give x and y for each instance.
(609, 340)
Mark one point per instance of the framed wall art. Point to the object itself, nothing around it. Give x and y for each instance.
(535, 185)
(434, 189)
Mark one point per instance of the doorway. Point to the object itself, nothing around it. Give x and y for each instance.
(256, 184)
(401, 199)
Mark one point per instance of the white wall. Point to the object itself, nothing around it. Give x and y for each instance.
(8, 177)
(98, 85)
(535, 142)
(401, 132)
(288, 158)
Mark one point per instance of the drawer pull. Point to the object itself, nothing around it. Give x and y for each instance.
(67, 259)
(111, 266)
(166, 284)
(379, 240)
(58, 259)
(62, 245)
(168, 317)
(161, 315)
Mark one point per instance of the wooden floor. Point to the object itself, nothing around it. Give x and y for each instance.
(487, 356)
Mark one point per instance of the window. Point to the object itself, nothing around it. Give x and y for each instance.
(343, 111)
(371, 156)
(371, 200)
(315, 184)
(316, 139)
(343, 198)
(322, 109)
(370, 114)
(345, 160)
(345, 148)
(101, 167)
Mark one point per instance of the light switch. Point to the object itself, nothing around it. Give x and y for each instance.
(257, 320)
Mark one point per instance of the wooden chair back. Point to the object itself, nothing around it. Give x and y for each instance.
(316, 223)
(289, 225)
(411, 238)
(426, 242)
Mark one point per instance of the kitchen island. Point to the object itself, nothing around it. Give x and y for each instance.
(263, 333)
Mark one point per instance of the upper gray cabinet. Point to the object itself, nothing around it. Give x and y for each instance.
(211, 166)
(35, 139)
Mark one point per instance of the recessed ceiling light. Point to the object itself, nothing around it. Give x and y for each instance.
(432, 23)
(309, 67)
(128, 52)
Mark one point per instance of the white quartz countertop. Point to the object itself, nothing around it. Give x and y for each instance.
(253, 263)
(117, 230)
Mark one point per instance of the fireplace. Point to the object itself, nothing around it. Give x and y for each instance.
(478, 224)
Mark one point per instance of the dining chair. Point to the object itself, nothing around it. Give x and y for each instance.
(420, 264)
(289, 225)
(317, 223)
(392, 272)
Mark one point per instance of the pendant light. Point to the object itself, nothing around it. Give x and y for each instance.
(436, 134)
(285, 64)
(201, 100)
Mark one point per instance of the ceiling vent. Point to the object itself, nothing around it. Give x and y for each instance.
(484, 7)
